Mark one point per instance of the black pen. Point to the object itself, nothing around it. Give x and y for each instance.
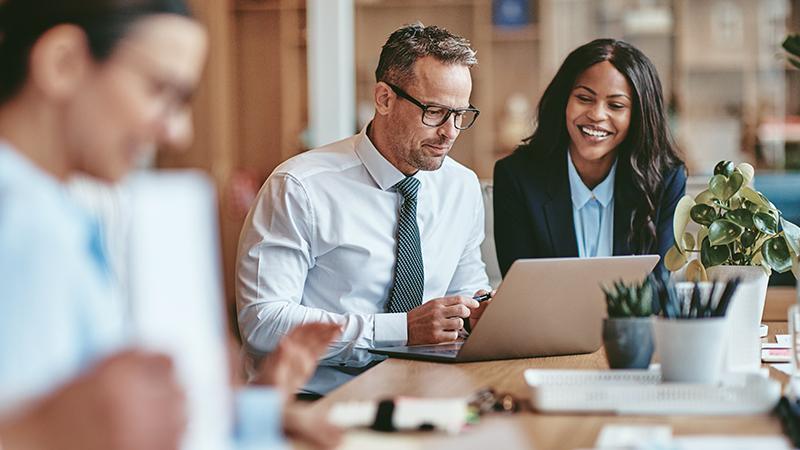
(482, 298)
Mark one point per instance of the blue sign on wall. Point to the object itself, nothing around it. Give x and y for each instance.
(511, 13)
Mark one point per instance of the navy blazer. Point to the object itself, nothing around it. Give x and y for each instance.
(533, 208)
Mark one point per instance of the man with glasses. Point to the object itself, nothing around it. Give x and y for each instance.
(379, 232)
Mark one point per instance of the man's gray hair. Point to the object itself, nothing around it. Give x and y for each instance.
(415, 41)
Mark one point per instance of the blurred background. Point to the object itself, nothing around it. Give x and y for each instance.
(286, 75)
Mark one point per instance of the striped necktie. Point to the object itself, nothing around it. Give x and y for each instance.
(409, 272)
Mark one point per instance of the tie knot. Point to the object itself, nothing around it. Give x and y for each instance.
(408, 188)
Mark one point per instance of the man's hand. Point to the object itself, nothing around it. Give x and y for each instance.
(439, 320)
(130, 401)
(311, 426)
(292, 363)
(476, 313)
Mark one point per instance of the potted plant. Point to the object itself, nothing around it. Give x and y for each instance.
(691, 328)
(627, 332)
(792, 45)
(740, 234)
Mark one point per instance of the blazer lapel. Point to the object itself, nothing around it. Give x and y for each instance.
(623, 209)
(558, 210)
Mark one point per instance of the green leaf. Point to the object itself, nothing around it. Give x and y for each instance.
(703, 214)
(792, 234)
(702, 234)
(681, 218)
(741, 217)
(723, 232)
(754, 197)
(792, 44)
(713, 255)
(747, 171)
(795, 62)
(758, 260)
(738, 258)
(674, 259)
(723, 187)
(724, 168)
(688, 241)
(717, 185)
(748, 238)
(735, 182)
(752, 207)
(705, 197)
(795, 263)
(765, 223)
(625, 310)
(695, 271)
(776, 254)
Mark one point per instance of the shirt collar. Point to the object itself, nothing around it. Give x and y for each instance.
(603, 192)
(382, 171)
(18, 169)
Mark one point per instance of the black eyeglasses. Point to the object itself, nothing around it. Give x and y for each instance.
(437, 115)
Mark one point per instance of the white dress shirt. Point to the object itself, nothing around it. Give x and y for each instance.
(592, 213)
(319, 245)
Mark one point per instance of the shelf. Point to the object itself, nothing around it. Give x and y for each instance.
(266, 5)
(414, 3)
(527, 33)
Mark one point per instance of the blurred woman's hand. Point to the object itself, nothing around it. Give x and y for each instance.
(290, 366)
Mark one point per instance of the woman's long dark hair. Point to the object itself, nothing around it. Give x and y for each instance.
(105, 23)
(648, 150)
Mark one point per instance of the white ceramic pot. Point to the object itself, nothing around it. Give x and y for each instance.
(744, 315)
(690, 350)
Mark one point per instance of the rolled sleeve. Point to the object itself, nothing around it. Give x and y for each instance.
(275, 254)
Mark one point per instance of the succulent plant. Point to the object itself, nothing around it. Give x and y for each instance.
(738, 226)
(632, 300)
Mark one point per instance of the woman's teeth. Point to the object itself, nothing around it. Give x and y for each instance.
(594, 133)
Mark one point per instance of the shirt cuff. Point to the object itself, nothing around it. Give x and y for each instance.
(259, 418)
(391, 329)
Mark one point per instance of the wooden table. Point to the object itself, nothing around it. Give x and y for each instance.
(778, 301)
(395, 377)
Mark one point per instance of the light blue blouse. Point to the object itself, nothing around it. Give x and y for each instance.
(57, 316)
(55, 319)
(592, 213)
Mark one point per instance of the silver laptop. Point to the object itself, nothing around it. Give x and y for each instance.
(543, 307)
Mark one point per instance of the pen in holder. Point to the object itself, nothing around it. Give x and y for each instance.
(690, 332)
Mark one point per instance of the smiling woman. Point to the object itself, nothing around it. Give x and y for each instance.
(600, 175)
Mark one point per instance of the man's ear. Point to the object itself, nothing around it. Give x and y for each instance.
(59, 61)
(384, 98)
